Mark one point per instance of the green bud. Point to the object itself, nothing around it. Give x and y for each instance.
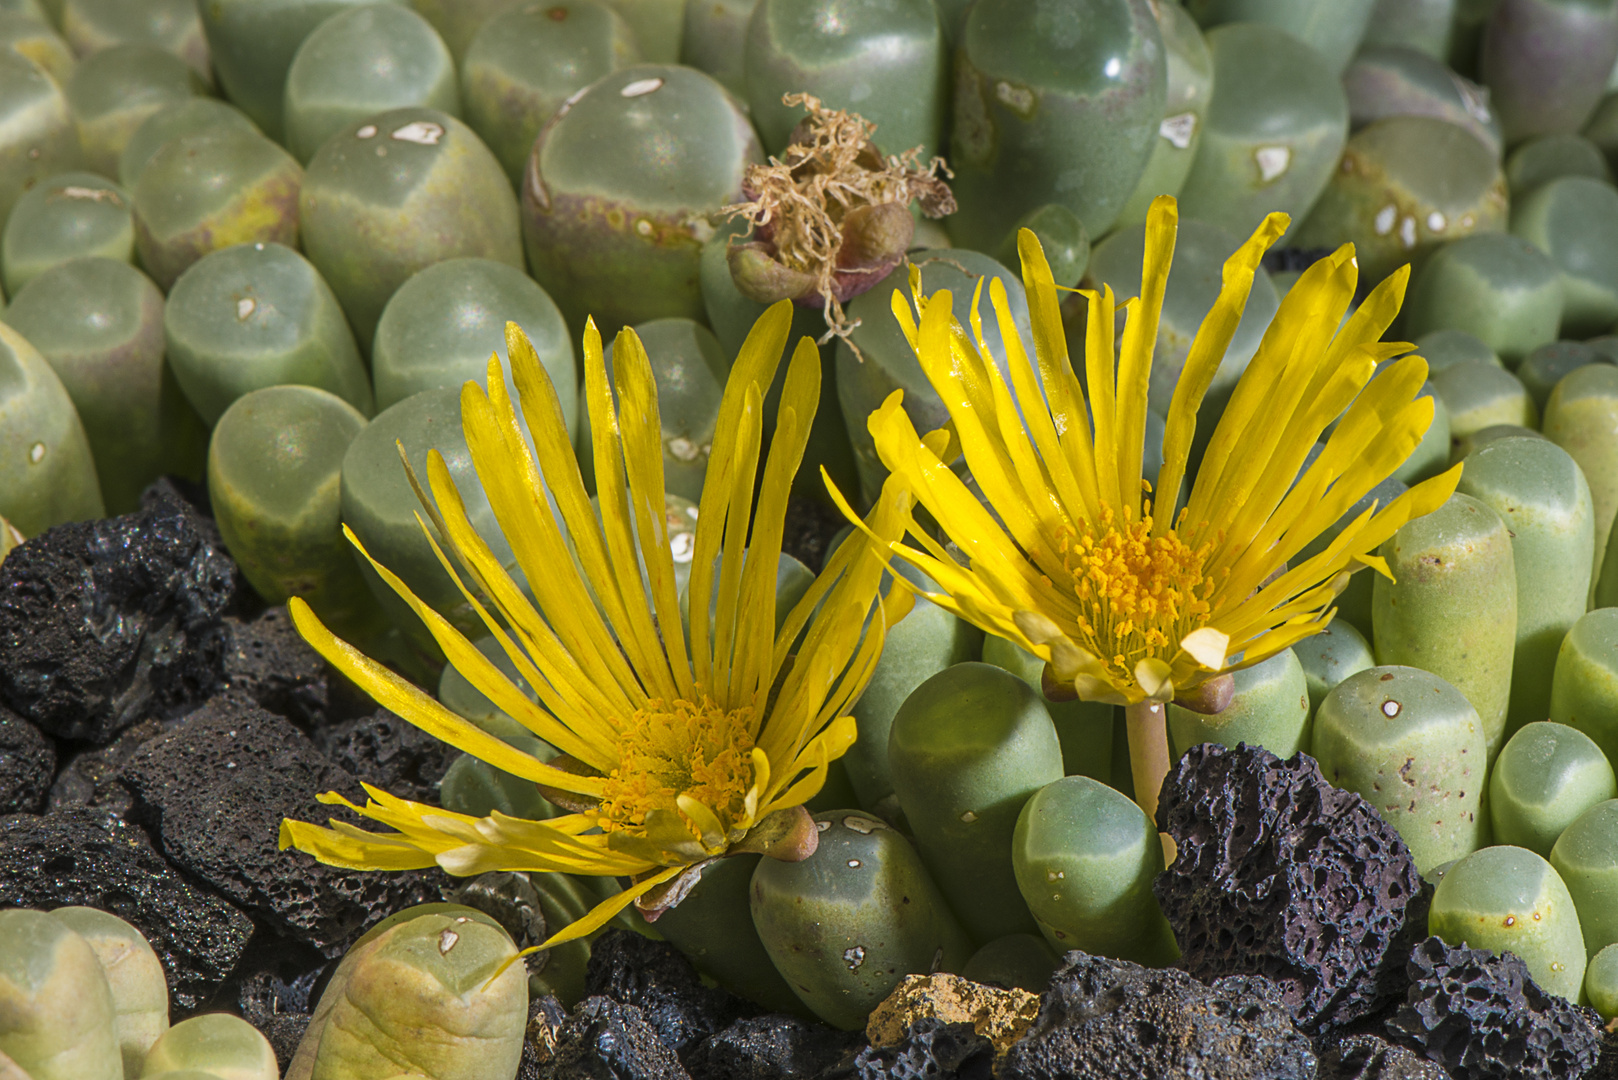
(1496, 286)
(1411, 745)
(1545, 778)
(1601, 983)
(1541, 495)
(847, 924)
(1270, 708)
(1451, 607)
(113, 92)
(140, 992)
(216, 1044)
(1507, 899)
(57, 1015)
(1586, 857)
(71, 216)
(966, 750)
(1331, 656)
(361, 62)
(434, 990)
(1085, 857)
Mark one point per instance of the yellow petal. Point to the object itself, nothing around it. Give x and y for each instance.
(1154, 678)
(337, 849)
(1140, 340)
(1099, 361)
(1069, 414)
(1207, 352)
(1207, 646)
(603, 912)
(750, 376)
(410, 702)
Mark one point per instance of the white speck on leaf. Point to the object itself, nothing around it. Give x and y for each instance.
(1179, 129)
(1272, 161)
(861, 825)
(1407, 231)
(682, 546)
(641, 87)
(420, 132)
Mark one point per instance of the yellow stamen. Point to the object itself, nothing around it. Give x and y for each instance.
(1138, 593)
(682, 748)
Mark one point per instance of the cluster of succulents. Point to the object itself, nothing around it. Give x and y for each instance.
(427, 992)
(262, 245)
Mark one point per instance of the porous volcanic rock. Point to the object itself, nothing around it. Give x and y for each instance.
(930, 1050)
(1281, 874)
(214, 790)
(103, 623)
(389, 752)
(663, 987)
(268, 660)
(73, 857)
(1482, 1017)
(1369, 1057)
(771, 1047)
(279, 1009)
(27, 764)
(1114, 1019)
(601, 1040)
(89, 780)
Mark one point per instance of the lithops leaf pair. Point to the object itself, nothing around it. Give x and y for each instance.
(433, 991)
(82, 995)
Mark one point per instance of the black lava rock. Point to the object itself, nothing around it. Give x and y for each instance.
(27, 764)
(89, 781)
(389, 752)
(214, 790)
(71, 858)
(279, 1009)
(604, 1040)
(930, 1050)
(771, 1047)
(1282, 875)
(106, 622)
(1607, 1067)
(269, 661)
(1480, 1015)
(1367, 1057)
(662, 984)
(545, 1018)
(1115, 1019)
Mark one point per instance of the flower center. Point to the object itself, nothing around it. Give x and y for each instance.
(684, 748)
(1140, 594)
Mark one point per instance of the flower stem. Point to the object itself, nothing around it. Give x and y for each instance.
(1147, 724)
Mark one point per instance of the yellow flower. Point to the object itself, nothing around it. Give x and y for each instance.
(676, 749)
(1126, 604)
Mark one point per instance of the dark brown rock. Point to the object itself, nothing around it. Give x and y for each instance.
(1281, 874)
(214, 790)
